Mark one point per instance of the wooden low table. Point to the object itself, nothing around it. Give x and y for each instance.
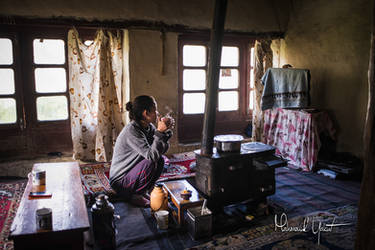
(174, 189)
(69, 213)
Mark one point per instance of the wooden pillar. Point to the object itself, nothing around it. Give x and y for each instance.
(366, 218)
(213, 77)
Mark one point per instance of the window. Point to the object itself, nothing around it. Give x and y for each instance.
(34, 98)
(8, 109)
(50, 79)
(235, 89)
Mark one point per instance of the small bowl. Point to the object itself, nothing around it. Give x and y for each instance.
(186, 194)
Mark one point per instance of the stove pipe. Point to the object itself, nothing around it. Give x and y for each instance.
(213, 77)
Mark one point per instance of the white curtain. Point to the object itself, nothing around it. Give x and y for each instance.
(263, 60)
(96, 86)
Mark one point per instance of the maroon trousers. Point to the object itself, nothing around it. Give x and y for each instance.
(139, 179)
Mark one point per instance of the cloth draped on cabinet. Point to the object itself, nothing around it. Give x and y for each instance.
(263, 61)
(295, 134)
(286, 88)
(98, 80)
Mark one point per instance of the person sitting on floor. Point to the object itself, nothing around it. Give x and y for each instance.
(137, 160)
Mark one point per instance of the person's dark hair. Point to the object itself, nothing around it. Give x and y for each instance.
(140, 103)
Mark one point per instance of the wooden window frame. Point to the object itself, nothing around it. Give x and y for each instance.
(190, 125)
(28, 136)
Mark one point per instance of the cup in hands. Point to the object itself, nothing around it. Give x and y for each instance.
(168, 120)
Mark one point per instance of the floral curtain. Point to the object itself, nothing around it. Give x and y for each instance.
(96, 94)
(263, 60)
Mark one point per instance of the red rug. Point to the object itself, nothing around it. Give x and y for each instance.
(95, 177)
(10, 197)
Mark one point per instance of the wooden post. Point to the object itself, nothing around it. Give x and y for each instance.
(366, 219)
(213, 77)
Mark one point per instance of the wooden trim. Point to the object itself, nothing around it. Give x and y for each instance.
(190, 125)
(68, 23)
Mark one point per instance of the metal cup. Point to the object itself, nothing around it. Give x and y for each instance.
(162, 219)
(43, 219)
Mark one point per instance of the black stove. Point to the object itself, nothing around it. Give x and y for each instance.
(228, 178)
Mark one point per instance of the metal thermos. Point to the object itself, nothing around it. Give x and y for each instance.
(103, 223)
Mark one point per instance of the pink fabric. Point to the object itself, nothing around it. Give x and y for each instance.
(295, 134)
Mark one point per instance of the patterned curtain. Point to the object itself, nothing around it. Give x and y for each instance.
(95, 86)
(263, 60)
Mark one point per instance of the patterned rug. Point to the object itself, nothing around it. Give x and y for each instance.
(10, 196)
(178, 166)
(95, 176)
(331, 229)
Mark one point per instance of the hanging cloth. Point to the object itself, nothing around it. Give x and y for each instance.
(95, 86)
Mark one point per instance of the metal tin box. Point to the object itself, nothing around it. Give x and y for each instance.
(199, 226)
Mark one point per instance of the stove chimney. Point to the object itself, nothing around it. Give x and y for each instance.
(213, 77)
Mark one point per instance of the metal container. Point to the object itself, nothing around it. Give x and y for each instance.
(43, 219)
(103, 223)
(199, 226)
(39, 177)
(228, 143)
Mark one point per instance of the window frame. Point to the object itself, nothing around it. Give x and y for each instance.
(29, 136)
(190, 125)
(13, 127)
(32, 90)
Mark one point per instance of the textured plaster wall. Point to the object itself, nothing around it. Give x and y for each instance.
(145, 70)
(242, 15)
(332, 39)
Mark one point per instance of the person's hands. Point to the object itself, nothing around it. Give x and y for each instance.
(169, 121)
(165, 123)
(161, 126)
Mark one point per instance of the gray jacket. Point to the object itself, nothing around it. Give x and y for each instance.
(135, 144)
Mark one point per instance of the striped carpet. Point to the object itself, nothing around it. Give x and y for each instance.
(299, 193)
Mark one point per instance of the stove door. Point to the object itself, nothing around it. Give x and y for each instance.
(232, 179)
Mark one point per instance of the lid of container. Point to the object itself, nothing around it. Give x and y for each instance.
(158, 184)
(228, 138)
(43, 211)
(101, 200)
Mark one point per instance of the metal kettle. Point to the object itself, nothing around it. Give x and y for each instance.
(103, 223)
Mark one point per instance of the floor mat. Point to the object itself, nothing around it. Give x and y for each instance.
(10, 196)
(180, 166)
(304, 192)
(297, 193)
(331, 229)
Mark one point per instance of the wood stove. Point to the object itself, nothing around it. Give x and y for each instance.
(227, 178)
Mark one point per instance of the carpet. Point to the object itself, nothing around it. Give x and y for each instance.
(10, 196)
(297, 194)
(178, 166)
(331, 229)
(95, 176)
(301, 192)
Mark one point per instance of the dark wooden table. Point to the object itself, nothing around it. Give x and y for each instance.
(174, 189)
(69, 213)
